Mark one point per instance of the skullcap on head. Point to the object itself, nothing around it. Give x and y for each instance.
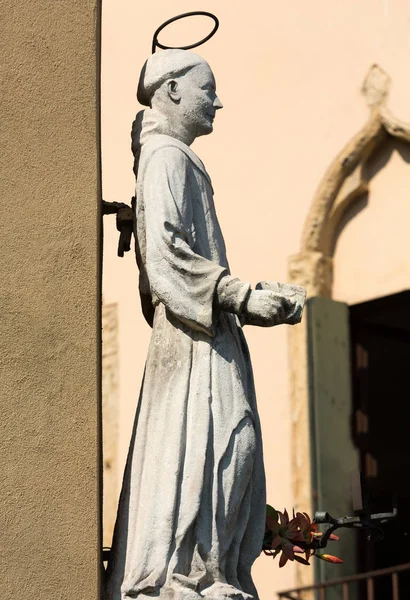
(162, 66)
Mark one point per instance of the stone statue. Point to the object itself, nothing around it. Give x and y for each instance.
(191, 515)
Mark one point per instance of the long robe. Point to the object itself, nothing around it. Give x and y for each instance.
(192, 508)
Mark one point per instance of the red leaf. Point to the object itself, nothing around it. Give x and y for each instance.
(287, 549)
(283, 560)
(302, 561)
(298, 537)
(303, 522)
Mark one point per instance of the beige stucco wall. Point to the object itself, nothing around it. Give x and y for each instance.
(289, 75)
(49, 299)
(372, 257)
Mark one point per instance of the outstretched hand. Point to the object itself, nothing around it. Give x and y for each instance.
(274, 303)
(265, 309)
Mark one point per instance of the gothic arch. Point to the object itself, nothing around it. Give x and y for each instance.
(342, 185)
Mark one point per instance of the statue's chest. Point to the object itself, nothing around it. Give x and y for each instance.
(207, 233)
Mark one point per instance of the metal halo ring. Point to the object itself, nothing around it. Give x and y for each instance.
(156, 43)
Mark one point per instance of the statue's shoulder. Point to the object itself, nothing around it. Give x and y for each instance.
(169, 146)
(170, 150)
(164, 145)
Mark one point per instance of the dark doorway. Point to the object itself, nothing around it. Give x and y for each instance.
(380, 334)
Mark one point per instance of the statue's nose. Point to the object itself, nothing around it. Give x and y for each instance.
(218, 103)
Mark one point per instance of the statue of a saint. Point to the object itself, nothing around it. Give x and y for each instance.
(191, 515)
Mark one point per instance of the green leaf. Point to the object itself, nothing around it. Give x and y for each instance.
(271, 512)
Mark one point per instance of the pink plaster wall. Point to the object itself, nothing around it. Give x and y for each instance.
(289, 75)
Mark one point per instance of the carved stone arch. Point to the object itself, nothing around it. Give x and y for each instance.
(342, 185)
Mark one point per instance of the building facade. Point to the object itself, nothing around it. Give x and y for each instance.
(313, 137)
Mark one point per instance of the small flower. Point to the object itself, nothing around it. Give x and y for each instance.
(329, 558)
(333, 537)
(289, 537)
(285, 534)
(306, 526)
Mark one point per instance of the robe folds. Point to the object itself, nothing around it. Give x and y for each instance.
(191, 514)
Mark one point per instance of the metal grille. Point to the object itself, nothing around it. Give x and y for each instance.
(343, 584)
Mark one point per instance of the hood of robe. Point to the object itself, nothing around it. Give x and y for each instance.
(151, 122)
(148, 122)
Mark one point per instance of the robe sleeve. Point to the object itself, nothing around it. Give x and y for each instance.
(184, 281)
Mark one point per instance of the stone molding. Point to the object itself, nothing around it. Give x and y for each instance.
(110, 406)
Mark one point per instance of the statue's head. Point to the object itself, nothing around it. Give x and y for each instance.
(181, 86)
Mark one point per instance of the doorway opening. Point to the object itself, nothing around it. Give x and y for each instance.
(380, 336)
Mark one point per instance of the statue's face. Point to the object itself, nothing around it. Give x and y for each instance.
(198, 101)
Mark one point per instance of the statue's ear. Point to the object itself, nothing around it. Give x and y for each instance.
(173, 90)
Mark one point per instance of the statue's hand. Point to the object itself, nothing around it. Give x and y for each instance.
(265, 309)
(294, 294)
